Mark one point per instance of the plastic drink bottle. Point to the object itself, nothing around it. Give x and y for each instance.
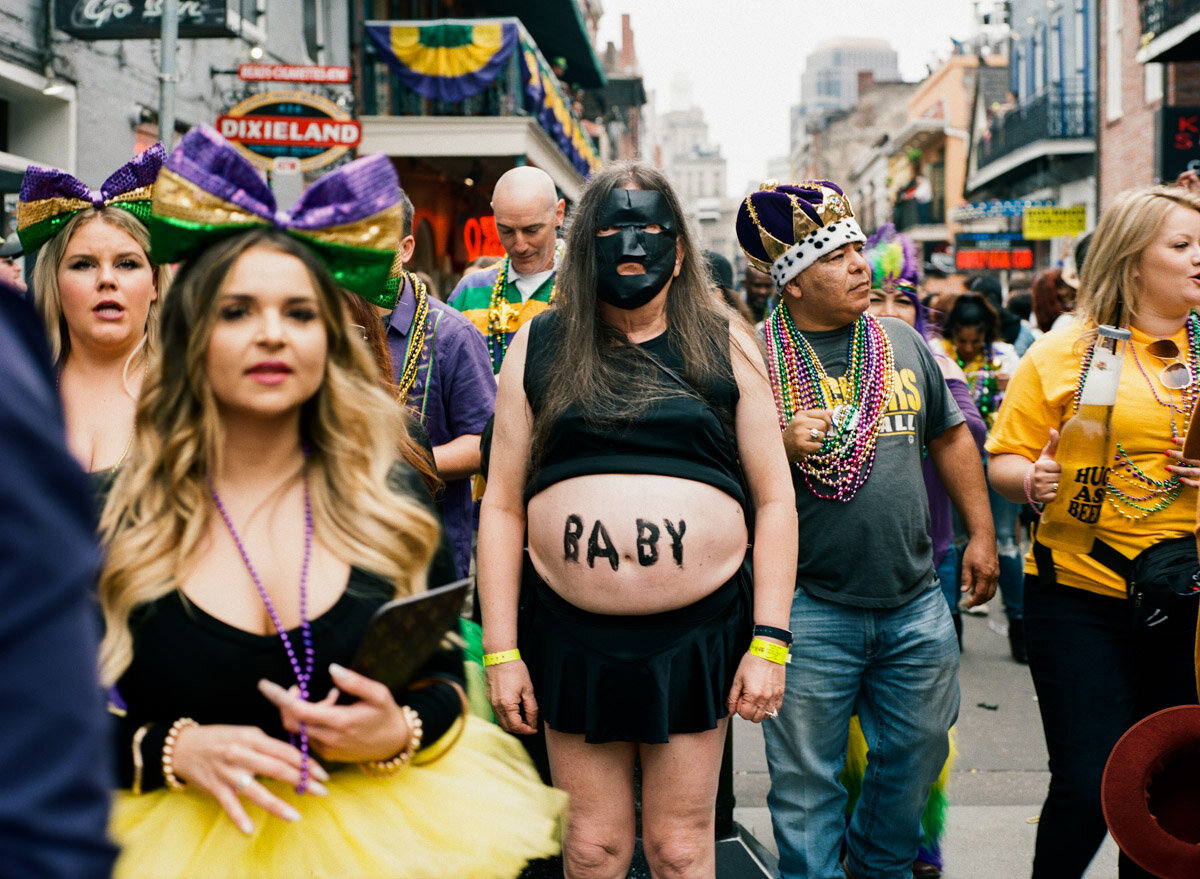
(1085, 450)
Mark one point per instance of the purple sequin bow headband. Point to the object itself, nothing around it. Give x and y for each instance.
(50, 197)
(352, 217)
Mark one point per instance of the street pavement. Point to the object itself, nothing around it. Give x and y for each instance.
(999, 776)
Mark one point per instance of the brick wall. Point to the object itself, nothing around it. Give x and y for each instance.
(1126, 144)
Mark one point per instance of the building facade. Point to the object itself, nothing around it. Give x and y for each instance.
(1149, 93)
(829, 85)
(1036, 146)
(77, 92)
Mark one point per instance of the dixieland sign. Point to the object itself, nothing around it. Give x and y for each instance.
(288, 131)
(307, 127)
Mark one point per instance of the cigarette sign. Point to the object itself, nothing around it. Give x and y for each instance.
(307, 127)
(293, 73)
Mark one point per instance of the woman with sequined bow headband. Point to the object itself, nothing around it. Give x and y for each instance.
(1095, 675)
(99, 294)
(262, 518)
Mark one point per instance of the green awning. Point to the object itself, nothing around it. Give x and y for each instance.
(558, 28)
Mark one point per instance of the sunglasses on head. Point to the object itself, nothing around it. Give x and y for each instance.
(1176, 375)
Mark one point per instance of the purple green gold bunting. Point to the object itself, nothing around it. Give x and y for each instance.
(445, 62)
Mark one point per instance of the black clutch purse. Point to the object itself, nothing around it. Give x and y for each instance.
(403, 634)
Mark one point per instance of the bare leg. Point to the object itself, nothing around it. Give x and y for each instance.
(679, 795)
(598, 843)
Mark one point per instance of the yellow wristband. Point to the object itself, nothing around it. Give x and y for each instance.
(765, 649)
(497, 658)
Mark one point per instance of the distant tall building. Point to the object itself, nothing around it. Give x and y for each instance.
(829, 85)
(830, 79)
(614, 114)
(697, 170)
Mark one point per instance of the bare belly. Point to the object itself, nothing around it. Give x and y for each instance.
(635, 544)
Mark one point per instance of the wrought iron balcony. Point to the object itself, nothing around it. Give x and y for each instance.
(1159, 16)
(909, 213)
(1170, 30)
(1052, 116)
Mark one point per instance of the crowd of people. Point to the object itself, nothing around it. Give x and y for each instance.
(247, 428)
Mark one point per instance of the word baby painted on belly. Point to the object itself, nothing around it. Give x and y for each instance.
(599, 544)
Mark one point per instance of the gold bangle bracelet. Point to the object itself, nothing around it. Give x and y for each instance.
(768, 651)
(384, 768)
(168, 753)
(138, 764)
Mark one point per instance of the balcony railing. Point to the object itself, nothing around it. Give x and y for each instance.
(910, 212)
(1053, 116)
(509, 94)
(1159, 16)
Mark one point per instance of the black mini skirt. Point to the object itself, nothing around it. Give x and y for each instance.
(636, 678)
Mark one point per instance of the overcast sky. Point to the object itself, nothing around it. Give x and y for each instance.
(744, 57)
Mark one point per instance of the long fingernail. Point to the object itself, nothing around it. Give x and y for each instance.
(270, 688)
(336, 670)
(317, 788)
(246, 827)
(318, 771)
(290, 814)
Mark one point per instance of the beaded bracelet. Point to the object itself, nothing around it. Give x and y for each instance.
(500, 658)
(1027, 483)
(138, 764)
(768, 651)
(774, 632)
(168, 753)
(384, 768)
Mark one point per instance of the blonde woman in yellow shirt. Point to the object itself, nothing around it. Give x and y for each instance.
(1094, 678)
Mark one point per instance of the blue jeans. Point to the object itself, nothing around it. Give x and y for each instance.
(898, 668)
(1012, 566)
(948, 572)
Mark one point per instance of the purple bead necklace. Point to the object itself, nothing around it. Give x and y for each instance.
(303, 674)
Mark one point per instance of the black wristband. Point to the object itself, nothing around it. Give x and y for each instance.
(771, 632)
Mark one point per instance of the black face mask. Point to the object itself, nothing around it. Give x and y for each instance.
(630, 211)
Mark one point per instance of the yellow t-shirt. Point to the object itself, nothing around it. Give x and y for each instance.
(1041, 396)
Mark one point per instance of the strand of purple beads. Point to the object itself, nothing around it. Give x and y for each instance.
(303, 675)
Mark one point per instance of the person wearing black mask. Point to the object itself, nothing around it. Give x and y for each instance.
(642, 628)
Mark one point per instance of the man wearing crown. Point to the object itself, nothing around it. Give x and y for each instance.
(860, 402)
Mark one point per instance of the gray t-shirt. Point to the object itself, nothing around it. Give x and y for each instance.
(874, 551)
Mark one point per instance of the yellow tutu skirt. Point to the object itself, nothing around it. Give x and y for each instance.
(480, 811)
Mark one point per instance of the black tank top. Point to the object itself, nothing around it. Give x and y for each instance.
(676, 436)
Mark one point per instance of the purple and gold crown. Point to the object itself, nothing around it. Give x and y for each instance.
(785, 228)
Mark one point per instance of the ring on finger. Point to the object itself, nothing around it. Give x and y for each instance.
(243, 780)
(773, 713)
(1054, 487)
(815, 434)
